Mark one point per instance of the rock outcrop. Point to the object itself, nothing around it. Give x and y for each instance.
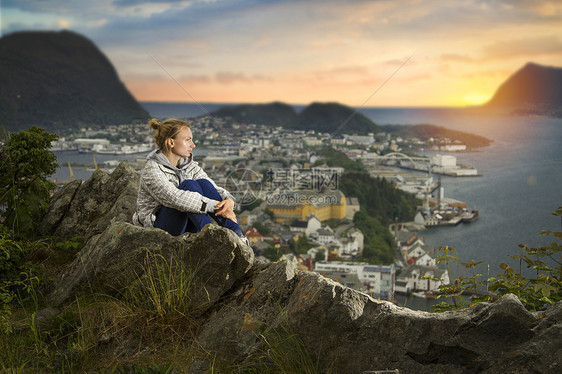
(87, 208)
(116, 259)
(246, 303)
(349, 332)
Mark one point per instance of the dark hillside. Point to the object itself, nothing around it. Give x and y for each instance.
(59, 80)
(334, 118)
(272, 114)
(330, 118)
(533, 89)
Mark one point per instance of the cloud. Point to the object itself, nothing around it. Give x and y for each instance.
(227, 77)
(455, 57)
(97, 22)
(527, 47)
(486, 74)
(546, 9)
(126, 3)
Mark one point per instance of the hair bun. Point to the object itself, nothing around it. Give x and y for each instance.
(154, 124)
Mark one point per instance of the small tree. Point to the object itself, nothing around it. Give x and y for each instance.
(25, 163)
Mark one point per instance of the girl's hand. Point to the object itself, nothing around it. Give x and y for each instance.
(225, 208)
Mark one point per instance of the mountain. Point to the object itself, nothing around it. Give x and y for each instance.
(334, 118)
(533, 89)
(60, 80)
(272, 114)
(324, 117)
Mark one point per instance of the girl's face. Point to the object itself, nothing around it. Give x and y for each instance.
(182, 144)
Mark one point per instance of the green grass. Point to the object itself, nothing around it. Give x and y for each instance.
(148, 328)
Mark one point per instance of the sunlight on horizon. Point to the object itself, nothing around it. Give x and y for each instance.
(475, 99)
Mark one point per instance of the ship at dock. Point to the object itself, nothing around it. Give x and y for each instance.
(118, 149)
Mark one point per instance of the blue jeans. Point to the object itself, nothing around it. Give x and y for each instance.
(177, 223)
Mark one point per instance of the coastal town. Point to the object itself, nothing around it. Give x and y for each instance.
(289, 204)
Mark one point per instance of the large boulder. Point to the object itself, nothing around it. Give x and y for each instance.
(115, 260)
(58, 206)
(346, 331)
(87, 208)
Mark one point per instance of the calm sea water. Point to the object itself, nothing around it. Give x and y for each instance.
(521, 182)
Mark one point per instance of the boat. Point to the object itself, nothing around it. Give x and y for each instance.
(468, 217)
(122, 149)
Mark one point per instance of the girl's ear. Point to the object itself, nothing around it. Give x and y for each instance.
(170, 142)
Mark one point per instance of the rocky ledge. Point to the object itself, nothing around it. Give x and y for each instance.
(238, 299)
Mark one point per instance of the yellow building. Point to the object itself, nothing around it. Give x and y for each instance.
(289, 206)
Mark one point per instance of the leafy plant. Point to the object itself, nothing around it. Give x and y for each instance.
(450, 289)
(542, 290)
(18, 278)
(25, 163)
(535, 293)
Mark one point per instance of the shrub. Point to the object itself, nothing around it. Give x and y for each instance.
(25, 163)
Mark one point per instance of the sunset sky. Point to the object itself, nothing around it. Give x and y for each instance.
(430, 53)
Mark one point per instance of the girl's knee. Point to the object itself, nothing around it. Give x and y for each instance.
(208, 189)
(190, 185)
(205, 183)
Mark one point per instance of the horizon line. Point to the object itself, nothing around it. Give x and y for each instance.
(317, 102)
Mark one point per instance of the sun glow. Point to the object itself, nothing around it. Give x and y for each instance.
(475, 99)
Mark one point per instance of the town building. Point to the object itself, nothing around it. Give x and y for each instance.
(412, 280)
(297, 205)
(375, 280)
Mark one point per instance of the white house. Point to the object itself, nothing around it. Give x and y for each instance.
(354, 232)
(410, 280)
(376, 280)
(312, 224)
(426, 260)
(349, 247)
(324, 235)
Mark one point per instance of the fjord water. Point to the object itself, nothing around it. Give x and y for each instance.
(521, 183)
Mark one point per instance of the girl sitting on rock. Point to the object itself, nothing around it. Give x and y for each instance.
(175, 194)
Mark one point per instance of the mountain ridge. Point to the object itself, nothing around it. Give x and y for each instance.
(329, 117)
(59, 80)
(532, 90)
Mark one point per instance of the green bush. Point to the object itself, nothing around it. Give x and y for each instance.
(25, 163)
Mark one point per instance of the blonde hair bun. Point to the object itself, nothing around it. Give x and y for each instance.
(154, 124)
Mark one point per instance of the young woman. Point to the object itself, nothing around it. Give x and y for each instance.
(175, 194)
